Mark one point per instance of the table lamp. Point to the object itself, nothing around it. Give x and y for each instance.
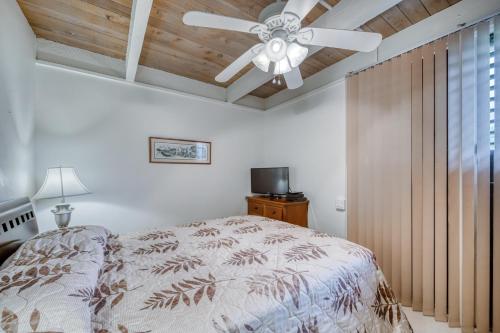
(61, 182)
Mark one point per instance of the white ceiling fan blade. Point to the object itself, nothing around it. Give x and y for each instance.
(293, 79)
(300, 7)
(343, 39)
(207, 20)
(239, 64)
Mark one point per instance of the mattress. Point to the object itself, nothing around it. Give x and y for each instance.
(237, 274)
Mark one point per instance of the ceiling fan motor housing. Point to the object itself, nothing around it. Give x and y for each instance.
(284, 26)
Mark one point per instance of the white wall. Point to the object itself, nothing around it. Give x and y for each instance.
(102, 126)
(17, 73)
(309, 136)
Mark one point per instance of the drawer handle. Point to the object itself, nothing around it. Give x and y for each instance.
(256, 207)
(274, 212)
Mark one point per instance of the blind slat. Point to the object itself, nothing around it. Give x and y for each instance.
(496, 210)
(468, 170)
(454, 148)
(441, 174)
(416, 151)
(362, 157)
(405, 157)
(377, 171)
(483, 180)
(385, 166)
(369, 163)
(428, 180)
(395, 106)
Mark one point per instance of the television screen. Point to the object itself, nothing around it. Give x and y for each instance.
(269, 180)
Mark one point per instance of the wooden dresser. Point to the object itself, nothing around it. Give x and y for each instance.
(279, 209)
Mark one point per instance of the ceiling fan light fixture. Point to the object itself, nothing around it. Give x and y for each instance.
(296, 54)
(262, 61)
(276, 49)
(282, 67)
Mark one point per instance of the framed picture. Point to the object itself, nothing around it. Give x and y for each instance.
(165, 150)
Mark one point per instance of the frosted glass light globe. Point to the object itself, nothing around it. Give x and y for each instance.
(276, 49)
(296, 54)
(262, 61)
(276, 46)
(282, 67)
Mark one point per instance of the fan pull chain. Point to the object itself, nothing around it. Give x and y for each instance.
(277, 79)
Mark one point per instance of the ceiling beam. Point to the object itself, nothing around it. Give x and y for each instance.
(347, 15)
(436, 26)
(137, 31)
(70, 56)
(325, 4)
(47, 66)
(99, 65)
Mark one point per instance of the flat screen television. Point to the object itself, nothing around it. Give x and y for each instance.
(269, 180)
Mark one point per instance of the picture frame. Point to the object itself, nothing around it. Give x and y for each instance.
(179, 151)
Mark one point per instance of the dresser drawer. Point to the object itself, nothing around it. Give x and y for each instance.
(279, 209)
(273, 212)
(255, 209)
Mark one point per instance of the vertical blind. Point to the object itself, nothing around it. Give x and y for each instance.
(496, 181)
(419, 174)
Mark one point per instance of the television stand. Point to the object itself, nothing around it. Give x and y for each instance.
(279, 209)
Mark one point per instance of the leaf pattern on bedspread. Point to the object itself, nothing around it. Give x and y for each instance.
(110, 265)
(243, 274)
(10, 322)
(157, 248)
(176, 264)
(346, 294)
(156, 235)
(284, 225)
(386, 305)
(42, 256)
(232, 222)
(101, 295)
(227, 325)
(61, 232)
(320, 234)
(179, 291)
(278, 238)
(248, 256)
(120, 328)
(26, 279)
(305, 252)
(195, 224)
(227, 243)
(206, 232)
(309, 326)
(360, 252)
(278, 283)
(250, 229)
(112, 247)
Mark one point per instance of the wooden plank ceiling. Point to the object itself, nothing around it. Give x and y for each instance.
(101, 26)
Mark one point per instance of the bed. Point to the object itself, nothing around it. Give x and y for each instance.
(236, 275)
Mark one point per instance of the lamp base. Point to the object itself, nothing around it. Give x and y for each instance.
(62, 214)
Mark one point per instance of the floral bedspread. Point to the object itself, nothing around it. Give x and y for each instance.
(233, 275)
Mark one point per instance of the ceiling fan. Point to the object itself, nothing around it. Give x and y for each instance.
(284, 41)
